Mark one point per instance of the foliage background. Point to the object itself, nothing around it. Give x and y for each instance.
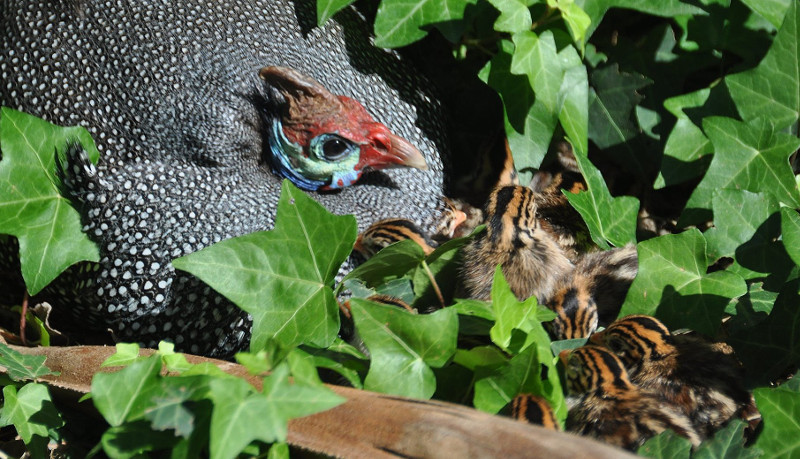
(684, 110)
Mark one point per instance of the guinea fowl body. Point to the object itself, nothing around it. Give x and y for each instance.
(171, 93)
(592, 293)
(530, 259)
(604, 404)
(701, 378)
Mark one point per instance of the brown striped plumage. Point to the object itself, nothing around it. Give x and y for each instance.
(703, 379)
(604, 404)
(388, 231)
(530, 259)
(534, 410)
(592, 293)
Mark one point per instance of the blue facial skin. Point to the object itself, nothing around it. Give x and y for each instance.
(315, 173)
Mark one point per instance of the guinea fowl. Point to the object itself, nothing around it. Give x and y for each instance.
(592, 293)
(703, 379)
(530, 259)
(604, 404)
(533, 409)
(171, 94)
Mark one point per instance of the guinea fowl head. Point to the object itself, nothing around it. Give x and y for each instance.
(321, 141)
(636, 340)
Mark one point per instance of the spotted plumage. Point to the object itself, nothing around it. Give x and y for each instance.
(604, 404)
(514, 239)
(703, 379)
(171, 93)
(592, 293)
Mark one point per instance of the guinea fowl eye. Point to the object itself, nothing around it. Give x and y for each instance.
(331, 147)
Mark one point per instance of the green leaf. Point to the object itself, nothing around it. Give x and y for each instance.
(611, 221)
(33, 414)
(596, 9)
(667, 444)
(514, 16)
(133, 439)
(574, 100)
(772, 10)
(727, 443)
(21, 367)
(780, 411)
(687, 152)
(672, 284)
(747, 156)
(613, 99)
(528, 122)
(126, 354)
(279, 451)
(772, 90)
(32, 208)
(404, 346)
(125, 395)
(400, 22)
(283, 278)
(518, 329)
(169, 409)
(577, 20)
(790, 228)
(392, 262)
(768, 348)
(327, 8)
(514, 320)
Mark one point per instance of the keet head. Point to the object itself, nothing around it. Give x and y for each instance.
(636, 339)
(322, 141)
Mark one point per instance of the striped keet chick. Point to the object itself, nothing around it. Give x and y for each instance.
(592, 293)
(388, 231)
(604, 404)
(530, 259)
(321, 141)
(534, 409)
(702, 378)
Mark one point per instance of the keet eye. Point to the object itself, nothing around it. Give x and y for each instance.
(332, 147)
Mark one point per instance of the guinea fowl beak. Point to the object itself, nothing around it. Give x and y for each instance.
(386, 150)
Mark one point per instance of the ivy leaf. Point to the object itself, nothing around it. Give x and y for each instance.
(528, 123)
(768, 348)
(242, 415)
(514, 16)
(327, 8)
(283, 277)
(33, 414)
(772, 89)
(126, 354)
(790, 229)
(170, 411)
(404, 346)
(400, 22)
(596, 9)
(727, 443)
(772, 10)
(780, 410)
(22, 367)
(747, 156)
(391, 262)
(577, 20)
(611, 221)
(672, 284)
(518, 329)
(687, 152)
(574, 99)
(32, 208)
(133, 439)
(613, 99)
(665, 445)
(125, 395)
